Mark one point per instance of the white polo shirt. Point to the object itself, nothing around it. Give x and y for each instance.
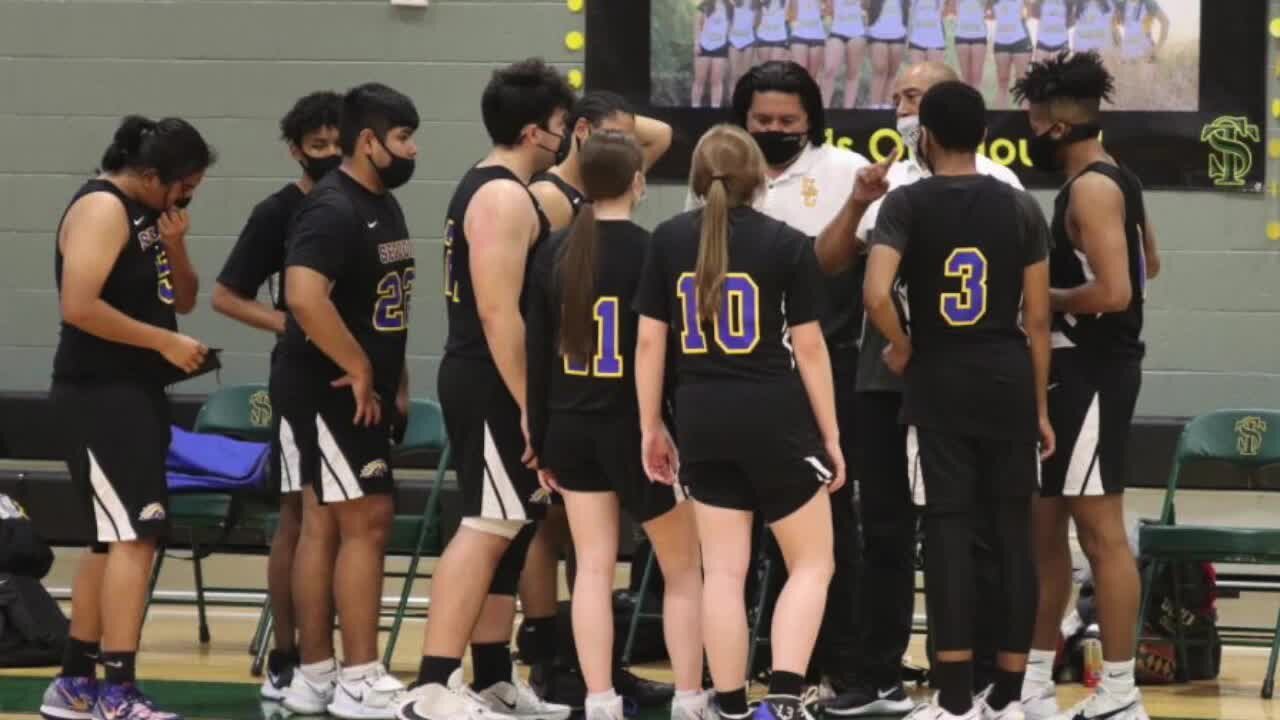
(908, 171)
(811, 191)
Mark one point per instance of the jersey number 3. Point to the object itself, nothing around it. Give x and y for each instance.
(391, 312)
(964, 308)
(608, 360)
(737, 327)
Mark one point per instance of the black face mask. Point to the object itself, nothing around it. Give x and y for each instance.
(397, 172)
(780, 148)
(562, 140)
(318, 167)
(568, 141)
(1043, 149)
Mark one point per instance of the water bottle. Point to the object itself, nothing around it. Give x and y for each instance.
(1091, 652)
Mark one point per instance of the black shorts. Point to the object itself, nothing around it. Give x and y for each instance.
(808, 42)
(1015, 48)
(1091, 406)
(1051, 48)
(971, 41)
(483, 422)
(116, 439)
(321, 447)
(921, 48)
(780, 44)
(720, 52)
(953, 473)
(601, 453)
(845, 38)
(773, 489)
(887, 41)
(284, 474)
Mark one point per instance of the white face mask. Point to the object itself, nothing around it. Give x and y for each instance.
(909, 129)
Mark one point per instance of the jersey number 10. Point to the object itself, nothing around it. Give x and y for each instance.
(737, 328)
(607, 362)
(965, 308)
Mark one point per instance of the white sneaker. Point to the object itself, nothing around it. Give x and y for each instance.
(518, 700)
(275, 686)
(438, 702)
(933, 711)
(375, 696)
(1012, 711)
(607, 711)
(304, 697)
(1040, 705)
(696, 708)
(1102, 704)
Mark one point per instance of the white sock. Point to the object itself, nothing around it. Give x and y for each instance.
(1039, 669)
(320, 672)
(602, 698)
(351, 673)
(691, 697)
(1117, 677)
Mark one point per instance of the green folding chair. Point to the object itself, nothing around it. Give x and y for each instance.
(413, 535)
(1227, 449)
(203, 520)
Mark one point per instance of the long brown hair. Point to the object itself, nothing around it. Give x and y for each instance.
(728, 171)
(609, 162)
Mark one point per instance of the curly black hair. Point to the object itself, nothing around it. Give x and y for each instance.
(1069, 76)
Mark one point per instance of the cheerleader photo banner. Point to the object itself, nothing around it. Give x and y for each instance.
(1188, 108)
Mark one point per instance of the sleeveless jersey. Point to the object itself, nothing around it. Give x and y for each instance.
(891, 23)
(715, 27)
(466, 334)
(971, 19)
(1010, 26)
(773, 22)
(1093, 27)
(743, 32)
(808, 22)
(575, 198)
(1053, 24)
(1107, 334)
(848, 21)
(926, 25)
(138, 285)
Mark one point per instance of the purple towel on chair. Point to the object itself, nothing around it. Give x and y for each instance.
(199, 462)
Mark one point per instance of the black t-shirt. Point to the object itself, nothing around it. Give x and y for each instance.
(357, 239)
(772, 283)
(605, 383)
(965, 243)
(466, 333)
(259, 252)
(138, 286)
(1114, 335)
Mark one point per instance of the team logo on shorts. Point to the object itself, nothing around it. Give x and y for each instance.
(1249, 432)
(374, 470)
(154, 511)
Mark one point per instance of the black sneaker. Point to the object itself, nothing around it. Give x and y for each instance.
(867, 700)
(645, 693)
(279, 674)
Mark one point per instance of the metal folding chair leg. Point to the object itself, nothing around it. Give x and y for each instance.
(1269, 684)
(754, 641)
(198, 570)
(260, 658)
(259, 636)
(155, 579)
(634, 625)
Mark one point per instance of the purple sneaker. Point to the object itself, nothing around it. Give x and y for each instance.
(69, 699)
(126, 702)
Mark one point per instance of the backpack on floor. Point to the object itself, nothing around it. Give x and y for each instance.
(33, 630)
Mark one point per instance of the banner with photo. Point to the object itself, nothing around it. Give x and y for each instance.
(1188, 111)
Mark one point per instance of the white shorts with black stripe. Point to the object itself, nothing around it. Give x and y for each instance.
(116, 438)
(319, 446)
(1091, 409)
(483, 423)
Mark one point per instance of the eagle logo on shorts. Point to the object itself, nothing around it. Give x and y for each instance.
(374, 469)
(154, 511)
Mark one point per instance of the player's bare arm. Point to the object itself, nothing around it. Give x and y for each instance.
(93, 235)
(173, 226)
(1151, 250)
(1095, 224)
(877, 298)
(247, 310)
(1036, 322)
(838, 245)
(501, 223)
(814, 364)
(654, 137)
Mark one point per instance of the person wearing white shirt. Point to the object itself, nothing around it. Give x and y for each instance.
(808, 185)
(887, 584)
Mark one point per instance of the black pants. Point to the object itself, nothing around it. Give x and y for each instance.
(887, 582)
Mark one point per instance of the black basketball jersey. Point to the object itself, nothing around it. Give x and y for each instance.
(1109, 334)
(772, 284)
(466, 334)
(604, 382)
(965, 243)
(259, 252)
(138, 285)
(576, 199)
(359, 241)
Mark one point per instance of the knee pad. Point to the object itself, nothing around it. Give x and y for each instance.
(506, 578)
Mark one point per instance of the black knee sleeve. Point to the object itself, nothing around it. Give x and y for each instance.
(506, 578)
(1012, 525)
